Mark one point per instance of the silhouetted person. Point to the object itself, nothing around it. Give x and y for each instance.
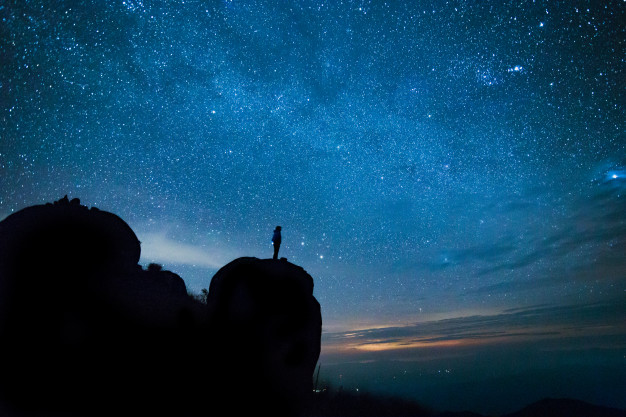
(276, 239)
(87, 331)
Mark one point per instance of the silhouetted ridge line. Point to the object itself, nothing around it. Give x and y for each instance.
(551, 407)
(86, 331)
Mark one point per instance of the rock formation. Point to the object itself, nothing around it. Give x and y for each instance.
(270, 324)
(87, 331)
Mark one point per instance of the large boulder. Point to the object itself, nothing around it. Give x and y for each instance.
(84, 329)
(268, 324)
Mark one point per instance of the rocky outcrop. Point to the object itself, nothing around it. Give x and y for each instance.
(84, 329)
(264, 312)
(87, 331)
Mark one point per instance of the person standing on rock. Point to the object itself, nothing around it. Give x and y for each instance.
(276, 239)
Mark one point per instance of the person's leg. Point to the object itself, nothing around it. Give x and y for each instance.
(276, 247)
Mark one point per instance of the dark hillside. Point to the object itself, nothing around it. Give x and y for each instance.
(87, 331)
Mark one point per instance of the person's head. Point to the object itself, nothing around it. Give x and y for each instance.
(278, 228)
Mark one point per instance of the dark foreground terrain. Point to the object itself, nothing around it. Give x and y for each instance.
(350, 404)
(86, 331)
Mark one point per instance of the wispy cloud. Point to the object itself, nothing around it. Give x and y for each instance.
(486, 254)
(510, 325)
(157, 247)
(587, 241)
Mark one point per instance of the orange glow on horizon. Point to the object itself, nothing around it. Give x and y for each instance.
(386, 346)
(440, 334)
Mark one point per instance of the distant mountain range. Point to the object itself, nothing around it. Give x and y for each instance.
(350, 404)
(551, 407)
(566, 408)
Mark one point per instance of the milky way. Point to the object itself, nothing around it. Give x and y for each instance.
(426, 160)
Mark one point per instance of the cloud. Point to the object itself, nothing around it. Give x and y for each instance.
(484, 253)
(538, 322)
(591, 234)
(157, 247)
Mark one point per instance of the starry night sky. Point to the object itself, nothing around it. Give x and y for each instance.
(451, 173)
